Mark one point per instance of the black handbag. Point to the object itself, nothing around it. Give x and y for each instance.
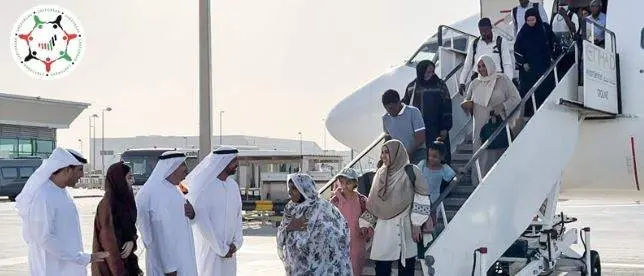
(501, 141)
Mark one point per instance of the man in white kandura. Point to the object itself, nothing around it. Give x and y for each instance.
(218, 223)
(163, 219)
(50, 223)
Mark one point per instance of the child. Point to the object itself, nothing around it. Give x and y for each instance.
(352, 204)
(436, 172)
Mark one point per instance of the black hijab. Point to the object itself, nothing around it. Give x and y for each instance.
(535, 43)
(536, 32)
(123, 208)
(420, 74)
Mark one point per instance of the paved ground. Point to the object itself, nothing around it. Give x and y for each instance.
(617, 233)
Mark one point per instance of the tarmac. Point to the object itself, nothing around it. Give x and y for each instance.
(616, 232)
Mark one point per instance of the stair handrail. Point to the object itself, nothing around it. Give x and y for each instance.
(455, 181)
(355, 160)
(377, 141)
(453, 72)
(584, 31)
(452, 37)
(440, 34)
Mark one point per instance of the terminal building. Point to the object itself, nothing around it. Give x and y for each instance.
(28, 124)
(264, 162)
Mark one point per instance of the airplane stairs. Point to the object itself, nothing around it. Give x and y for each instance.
(497, 212)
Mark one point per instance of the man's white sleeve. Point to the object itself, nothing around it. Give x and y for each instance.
(165, 243)
(41, 228)
(466, 71)
(206, 228)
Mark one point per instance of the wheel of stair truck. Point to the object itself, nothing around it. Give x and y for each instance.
(595, 264)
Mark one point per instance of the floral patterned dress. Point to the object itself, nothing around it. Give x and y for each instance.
(321, 249)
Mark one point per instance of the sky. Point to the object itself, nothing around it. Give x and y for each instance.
(278, 66)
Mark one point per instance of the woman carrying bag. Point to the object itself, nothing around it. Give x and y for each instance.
(490, 98)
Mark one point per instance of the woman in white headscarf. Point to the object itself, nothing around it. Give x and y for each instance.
(397, 206)
(313, 238)
(490, 96)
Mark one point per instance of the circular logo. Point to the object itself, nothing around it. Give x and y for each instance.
(47, 42)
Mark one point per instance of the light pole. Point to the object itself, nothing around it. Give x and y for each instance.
(205, 80)
(185, 139)
(324, 128)
(108, 109)
(93, 122)
(301, 147)
(89, 139)
(301, 153)
(221, 139)
(81, 146)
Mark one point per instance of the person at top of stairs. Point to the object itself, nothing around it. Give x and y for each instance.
(352, 204)
(534, 51)
(491, 96)
(497, 49)
(397, 207)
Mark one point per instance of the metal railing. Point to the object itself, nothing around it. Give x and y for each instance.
(504, 125)
(584, 32)
(326, 189)
(452, 37)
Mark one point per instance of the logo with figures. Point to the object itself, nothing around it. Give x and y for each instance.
(47, 42)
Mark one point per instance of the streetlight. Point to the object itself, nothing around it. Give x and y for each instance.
(103, 138)
(205, 80)
(301, 153)
(185, 139)
(81, 146)
(324, 128)
(93, 122)
(221, 139)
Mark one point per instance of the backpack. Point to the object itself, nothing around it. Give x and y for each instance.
(499, 40)
(409, 169)
(514, 15)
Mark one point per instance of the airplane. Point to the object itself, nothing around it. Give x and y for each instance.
(584, 141)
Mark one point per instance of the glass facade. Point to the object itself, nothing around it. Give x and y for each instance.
(23, 147)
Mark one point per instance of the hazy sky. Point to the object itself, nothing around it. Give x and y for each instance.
(279, 66)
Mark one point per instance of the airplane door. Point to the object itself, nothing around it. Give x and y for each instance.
(450, 59)
(630, 46)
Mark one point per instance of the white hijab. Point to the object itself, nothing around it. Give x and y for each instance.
(484, 86)
(59, 158)
(208, 170)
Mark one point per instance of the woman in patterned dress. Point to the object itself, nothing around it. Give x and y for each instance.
(313, 238)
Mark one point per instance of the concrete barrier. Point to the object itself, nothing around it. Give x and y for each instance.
(91, 183)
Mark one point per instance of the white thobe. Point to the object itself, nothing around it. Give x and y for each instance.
(483, 48)
(53, 234)
(166, 231)
(392, 239)
(217, 224)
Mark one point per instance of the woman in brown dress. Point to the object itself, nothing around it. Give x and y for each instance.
(114, 225)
